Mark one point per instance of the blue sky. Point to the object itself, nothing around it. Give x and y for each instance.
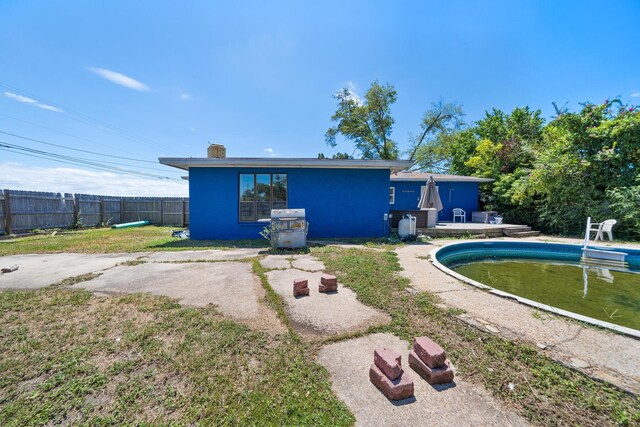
(146, 79)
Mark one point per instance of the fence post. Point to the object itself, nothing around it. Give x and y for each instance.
(121, 210)
(76, 212)
(7, 213)
(161, 210)
(184, 212)
(101, 204)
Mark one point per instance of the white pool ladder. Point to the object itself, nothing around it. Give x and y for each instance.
(595, 256)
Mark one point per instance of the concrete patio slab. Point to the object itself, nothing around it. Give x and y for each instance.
(271, 262)
(617, 359)
(307, 262)
(209, 255)
(231, 286)
(323, 313)
(459, 403)
(40, 270)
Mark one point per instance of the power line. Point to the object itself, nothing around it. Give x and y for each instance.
(90, 152)
(77, 161)
(102, 125)
(76, 149)
(64, 133)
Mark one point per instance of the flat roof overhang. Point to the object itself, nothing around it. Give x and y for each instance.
(444, 179)
(247, 162)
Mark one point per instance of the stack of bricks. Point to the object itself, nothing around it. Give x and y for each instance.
(328, 283)
(300, 287)
(387, 375)
(429, 360)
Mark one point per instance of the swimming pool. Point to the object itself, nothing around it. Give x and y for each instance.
(551, 277)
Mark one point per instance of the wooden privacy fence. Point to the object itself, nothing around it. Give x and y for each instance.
(22, 211)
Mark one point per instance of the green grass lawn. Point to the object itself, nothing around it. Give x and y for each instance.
(69, 357)
(545, 392)
(103, 240)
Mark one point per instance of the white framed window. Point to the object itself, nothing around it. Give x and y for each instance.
(392, 195)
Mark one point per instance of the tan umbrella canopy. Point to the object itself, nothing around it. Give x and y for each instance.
(429, 197)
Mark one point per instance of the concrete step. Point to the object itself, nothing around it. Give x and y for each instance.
(511, 230)
(524, 234)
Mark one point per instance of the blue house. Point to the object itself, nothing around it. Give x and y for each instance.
(342, 198)
(455, 192)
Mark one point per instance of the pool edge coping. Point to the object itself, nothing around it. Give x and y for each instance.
(590, 320)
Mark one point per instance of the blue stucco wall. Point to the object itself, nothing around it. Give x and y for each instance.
(338, 202)
(453, 195)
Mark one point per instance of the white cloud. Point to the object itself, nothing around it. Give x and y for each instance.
(120, 79)
(353, 95)
(192, 129)
(16, 176)
(185, 96)
(635, 94)
(270, 152)
(31, 101)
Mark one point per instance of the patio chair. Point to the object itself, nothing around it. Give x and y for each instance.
(604, 227)
(459, 213)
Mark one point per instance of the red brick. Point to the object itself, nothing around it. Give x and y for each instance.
(429, 352)
(400, 388)
(328, 279)
(328, 288)
(441, 375)
(300, 287)
(388, 361)
(301, 292)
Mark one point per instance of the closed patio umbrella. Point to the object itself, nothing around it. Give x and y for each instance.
(429, 197)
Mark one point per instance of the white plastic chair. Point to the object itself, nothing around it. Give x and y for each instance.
(459, 213)
(605, 227)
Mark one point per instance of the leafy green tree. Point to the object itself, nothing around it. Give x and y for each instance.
(430, 148)
(367, 122)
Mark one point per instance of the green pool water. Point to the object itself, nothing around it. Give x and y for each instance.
(600, 293)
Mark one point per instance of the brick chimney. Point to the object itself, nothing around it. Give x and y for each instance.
(216, 151)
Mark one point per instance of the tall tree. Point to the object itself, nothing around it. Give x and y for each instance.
(367, 122)
(430, 148)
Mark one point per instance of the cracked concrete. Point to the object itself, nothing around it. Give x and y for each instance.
(40, 270)
(610, 356)
(322, 313)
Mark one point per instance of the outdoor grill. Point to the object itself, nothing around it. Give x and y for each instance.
(288, 228)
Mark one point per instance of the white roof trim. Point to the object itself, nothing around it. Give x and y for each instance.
(246, 162)
(437, 179)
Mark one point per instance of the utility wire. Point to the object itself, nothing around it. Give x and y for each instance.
(90, 152)
(67, 134)
(68, 163)
(76, 149)
(88, 120)
(80, 161)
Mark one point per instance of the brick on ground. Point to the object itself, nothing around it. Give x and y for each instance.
(388, 361)
(441, 375)
(300, 287)
(429, 352)
(328, 283)
(400, 388)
